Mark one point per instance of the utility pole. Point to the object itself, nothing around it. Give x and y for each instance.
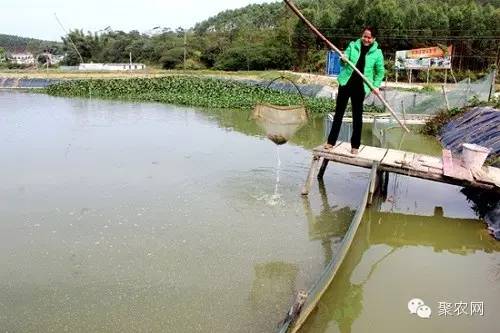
(185, 48)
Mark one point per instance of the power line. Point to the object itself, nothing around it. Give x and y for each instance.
(425, 36)
(453, 56)
(401, 30)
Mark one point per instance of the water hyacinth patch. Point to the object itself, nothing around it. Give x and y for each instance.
(187, 90)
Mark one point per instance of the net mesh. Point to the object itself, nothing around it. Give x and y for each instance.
(429, 103)
(280, 122)
(410, 105)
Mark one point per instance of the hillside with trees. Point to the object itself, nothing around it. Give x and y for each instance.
(11, 43)
(269, 36)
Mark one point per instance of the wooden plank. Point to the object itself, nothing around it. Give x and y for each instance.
(446, 170)
(407, 160)
(494, 174)
(344, 149)
(321, 148)
(372, 153)
(393, 158)
(350, 160)
(431, 162)
(416, 164)
(489, 175)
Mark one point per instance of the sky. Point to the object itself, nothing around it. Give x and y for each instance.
(35, 18)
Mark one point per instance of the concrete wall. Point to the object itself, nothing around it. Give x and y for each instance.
(110, 67)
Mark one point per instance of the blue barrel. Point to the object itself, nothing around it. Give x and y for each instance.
(332, 63)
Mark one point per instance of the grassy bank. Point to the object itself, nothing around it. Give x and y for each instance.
(56, 73)
(186, 90)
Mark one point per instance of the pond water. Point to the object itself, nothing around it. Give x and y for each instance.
(124, 217)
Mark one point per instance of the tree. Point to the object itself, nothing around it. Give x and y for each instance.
(3, 55)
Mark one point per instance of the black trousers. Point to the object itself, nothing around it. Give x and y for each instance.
(357, 96)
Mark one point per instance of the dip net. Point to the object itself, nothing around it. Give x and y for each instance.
(280, 122)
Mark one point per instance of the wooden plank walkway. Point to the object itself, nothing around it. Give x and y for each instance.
(447, 169)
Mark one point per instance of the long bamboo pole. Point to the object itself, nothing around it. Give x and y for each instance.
(333, 47)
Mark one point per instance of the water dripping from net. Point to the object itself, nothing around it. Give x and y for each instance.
(276, 197)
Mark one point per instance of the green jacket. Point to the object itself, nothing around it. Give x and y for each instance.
(374, 64)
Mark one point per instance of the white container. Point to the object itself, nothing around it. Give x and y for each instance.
(473, 156)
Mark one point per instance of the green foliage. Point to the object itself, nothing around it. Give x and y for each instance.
(187, 90)
(270, 36)
(172, 58)
(428, 88)
(3, 55)
(434, 125)
(12, 43)
(255, 58)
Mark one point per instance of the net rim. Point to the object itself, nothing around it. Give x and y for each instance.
(282, 107)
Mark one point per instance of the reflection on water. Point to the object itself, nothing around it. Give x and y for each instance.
(123, 217)
(330, 225)
(397, 256)
(487, 206)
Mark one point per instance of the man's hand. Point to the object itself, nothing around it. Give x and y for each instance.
(343, 57)
(376, 91)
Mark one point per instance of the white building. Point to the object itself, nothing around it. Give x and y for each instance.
(56, 59)
(111, 67)
(22, 58)
(52, 58)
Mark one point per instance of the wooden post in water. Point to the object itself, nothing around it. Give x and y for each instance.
(384, 189)
(310, 176)
(322, 169)
(374, 182)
